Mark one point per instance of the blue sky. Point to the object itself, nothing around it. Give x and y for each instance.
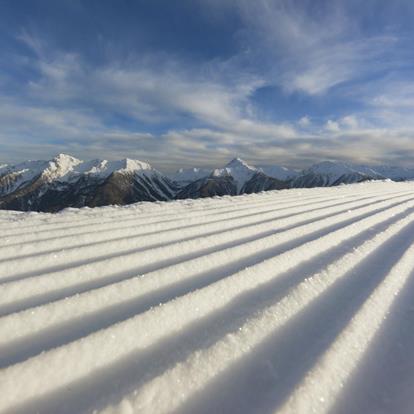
(197, 82)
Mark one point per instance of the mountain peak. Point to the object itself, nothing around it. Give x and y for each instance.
(237, 163)
(131, 165)
(238, 169)
(65, 159)
(59, 166)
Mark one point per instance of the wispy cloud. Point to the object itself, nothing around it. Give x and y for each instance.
(72, 100)
(311, 47)
(341, 89)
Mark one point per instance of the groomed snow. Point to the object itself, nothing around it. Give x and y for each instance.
(296, 301)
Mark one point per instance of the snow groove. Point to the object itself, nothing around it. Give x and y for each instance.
(261, 303)
(11, 268)
(144, 239)
(75, 225)
(28, 290)
(194, 207)
(73, 317)
(119, 232)
(103, 227)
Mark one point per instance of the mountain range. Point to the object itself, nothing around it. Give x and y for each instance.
(66, 181)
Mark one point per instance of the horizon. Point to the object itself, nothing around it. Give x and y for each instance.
(194, 84)
(213, 167)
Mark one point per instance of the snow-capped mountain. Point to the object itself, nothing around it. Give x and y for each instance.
(209, 187)
(276, 171)
(237, 177)
(329, 173)
(238, 170)
(185, 176)
(66, 181)
(395, 173)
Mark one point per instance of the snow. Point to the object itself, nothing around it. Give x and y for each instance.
(242, 172)
(239, 170)
(18, 175)
(284, 301)
(101, 168)
(188, 175)
(395, 173)
(278, 172)
(333, 170)
(60, 166)
(65, 168)
(236, 168)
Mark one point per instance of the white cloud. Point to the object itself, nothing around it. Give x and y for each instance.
(152, 91)
(307, 51)
(332, 126)
(304, 122)
(73, 103)
(349, 121)
(204, 114)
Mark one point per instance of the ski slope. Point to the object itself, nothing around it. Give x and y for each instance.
(296, 301)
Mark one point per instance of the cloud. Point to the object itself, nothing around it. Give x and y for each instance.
(332, 126)
(149, 89)
(349, 121)
(174, 109)
(311, 48)
(360, 145)
(140, 101)
(304, 122)
(386, 103)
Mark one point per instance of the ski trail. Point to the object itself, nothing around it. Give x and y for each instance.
(263, 379)
(203, 301)
(71, 318)
(288, 301)
(32, 291)
(325, 381)
(12, 271)
(138, 239)
(14, 239)
(146, 209)
(382, 381)
(141, 217)
(204, 365)
(120, 233)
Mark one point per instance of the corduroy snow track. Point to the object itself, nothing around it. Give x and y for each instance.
(295, 301)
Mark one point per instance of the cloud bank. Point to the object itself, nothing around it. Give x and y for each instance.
(297, 81)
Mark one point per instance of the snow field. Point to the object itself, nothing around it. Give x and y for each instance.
(168, 321)
(205, 365)
(141, 239)
(105, 271)
(321, 386)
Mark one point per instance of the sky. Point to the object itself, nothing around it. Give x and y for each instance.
(199, 82)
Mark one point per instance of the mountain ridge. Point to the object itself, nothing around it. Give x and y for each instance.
(65, 181)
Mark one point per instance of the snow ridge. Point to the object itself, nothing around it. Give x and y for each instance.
(271, 302)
